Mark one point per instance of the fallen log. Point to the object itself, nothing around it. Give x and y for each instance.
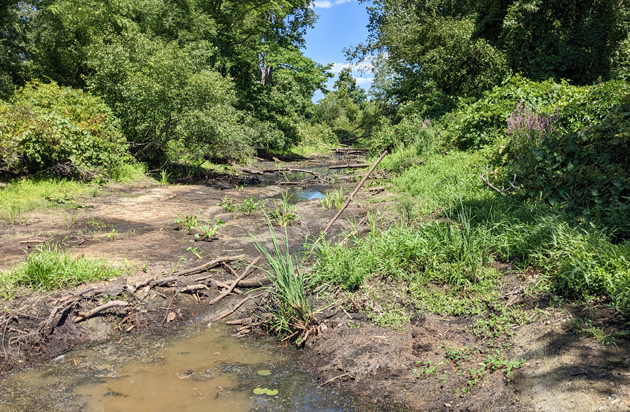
(113, 304)
(348, 166)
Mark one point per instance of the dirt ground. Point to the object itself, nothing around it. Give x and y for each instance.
(132, 225)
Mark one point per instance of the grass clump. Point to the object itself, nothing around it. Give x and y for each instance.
(333, 199)
(50, 267)
(128, 172)
(290, 313)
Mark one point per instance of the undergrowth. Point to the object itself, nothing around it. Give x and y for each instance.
(50, 267)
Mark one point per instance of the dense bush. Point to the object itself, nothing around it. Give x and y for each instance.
(46, 125)
(586, 173)
(483, 122)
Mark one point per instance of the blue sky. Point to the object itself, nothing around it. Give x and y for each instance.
(341, 23)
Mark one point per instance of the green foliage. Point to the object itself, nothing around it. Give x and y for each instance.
(284, 213)
(292, 313)
(412, 132)
(23, 195)
(49, 267)
(333, 199)
(571, 39)
(46, 125)
(128, 172)
(585, 173)
(483, 122)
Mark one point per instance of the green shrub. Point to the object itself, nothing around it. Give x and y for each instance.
(46, 125)
(483, 122)
(586, 173)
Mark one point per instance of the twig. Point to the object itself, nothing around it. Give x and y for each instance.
(108, 305)
(335, 378)
(238, 279)
(486, 180)
(238, 305)
(209, 265)
(349, 200)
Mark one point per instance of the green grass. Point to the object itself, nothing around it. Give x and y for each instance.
(292, 313)
(333, 199)
(446, 261)
(24, 195)
(50, 267)
(128, 172)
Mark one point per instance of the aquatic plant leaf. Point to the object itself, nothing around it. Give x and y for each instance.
(264, 372)
(260, 391)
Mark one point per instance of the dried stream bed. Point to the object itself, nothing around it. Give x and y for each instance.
(562, 371)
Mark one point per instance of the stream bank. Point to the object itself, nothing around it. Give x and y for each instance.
(383, 368)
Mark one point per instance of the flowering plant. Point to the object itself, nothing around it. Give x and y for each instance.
(528, 129)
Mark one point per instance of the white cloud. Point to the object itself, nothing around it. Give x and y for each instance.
(364, 66)
(326, 4)
(363, 80)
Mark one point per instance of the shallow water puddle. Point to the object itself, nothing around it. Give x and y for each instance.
(304, 194)
(199, 370)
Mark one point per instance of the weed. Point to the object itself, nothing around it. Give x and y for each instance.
(112, 235)
(586, 327)
(428, 368)
(284, 213)
(164, 177)
(94, 223)
(188, 222)
(194, 251)
(227, 204)
(333, 199)
(209, 230)
(292, 314)
(249, 205)
(49, 267)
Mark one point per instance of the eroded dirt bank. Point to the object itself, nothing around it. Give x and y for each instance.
(133, 225)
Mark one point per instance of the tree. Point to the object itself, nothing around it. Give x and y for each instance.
(560, 39)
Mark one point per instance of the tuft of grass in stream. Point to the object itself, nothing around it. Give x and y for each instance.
(290, 313)
(333, 199)
(50, 267)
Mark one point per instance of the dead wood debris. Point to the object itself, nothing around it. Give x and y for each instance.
(20, 327)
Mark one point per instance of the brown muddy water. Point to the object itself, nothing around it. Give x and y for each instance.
(191, 369)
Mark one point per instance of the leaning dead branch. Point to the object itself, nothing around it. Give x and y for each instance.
(345, 205)
(238, 305)
(238, 279)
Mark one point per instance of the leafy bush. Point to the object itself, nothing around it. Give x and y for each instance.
(483, 122)
(585, 173)
(47, 125)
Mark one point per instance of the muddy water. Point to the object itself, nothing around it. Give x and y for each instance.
(196, 369)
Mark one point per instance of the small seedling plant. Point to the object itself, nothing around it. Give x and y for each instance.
(188, 222)
(209, 230)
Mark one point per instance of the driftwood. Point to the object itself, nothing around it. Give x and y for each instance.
(213, 263)
(238, 279)
(108, 305)
(238, 305)
(345, 205)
